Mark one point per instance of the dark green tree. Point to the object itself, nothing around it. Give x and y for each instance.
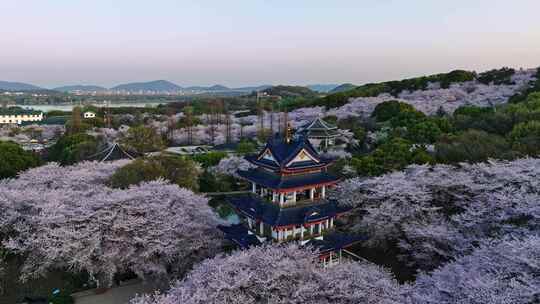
(395, 154)
(425, 132)
(70, 149)
(390, 109)
(13, 159)
(209, 159)
(75, 124)
(143, 139)
(525, 138)
(245, 147)
(471, 146)
(178, 170)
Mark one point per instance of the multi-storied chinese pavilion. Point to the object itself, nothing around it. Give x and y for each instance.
(288, 199)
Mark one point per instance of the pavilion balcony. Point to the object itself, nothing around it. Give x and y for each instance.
(295, 198)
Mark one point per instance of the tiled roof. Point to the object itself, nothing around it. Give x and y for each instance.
(112, 152)
(319, 124)
(319, 128)
(271, 214)
(241, 236)
(277, 182)
(283, 151)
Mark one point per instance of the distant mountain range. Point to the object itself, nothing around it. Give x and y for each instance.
(18, 86)
(213, 88)
(254, 88)
(82, 88)
(157, 86)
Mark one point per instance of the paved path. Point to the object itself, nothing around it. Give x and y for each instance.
(117, 295)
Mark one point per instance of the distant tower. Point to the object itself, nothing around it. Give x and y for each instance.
(260, 113)
(188, 111)
(228, 122)
(272, 119)
(107, 114)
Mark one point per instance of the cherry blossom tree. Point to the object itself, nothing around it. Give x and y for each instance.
(437, 213)
(230, 165)
(280, 274)
(69, 219)
(434, 97)
(336, 154)
(498, 272)
(25, 133)
(83, 176)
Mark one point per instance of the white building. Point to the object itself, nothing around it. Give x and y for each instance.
(89, 114)
(18, 115)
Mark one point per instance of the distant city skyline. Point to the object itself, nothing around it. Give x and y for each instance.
(255, 42)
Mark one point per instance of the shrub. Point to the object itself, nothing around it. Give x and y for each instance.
(525, 138)
(209, 159)
(471, 146)
(70, 149)
(13, 159)
(181, 171)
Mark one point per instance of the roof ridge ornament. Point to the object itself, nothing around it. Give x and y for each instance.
(288, 133)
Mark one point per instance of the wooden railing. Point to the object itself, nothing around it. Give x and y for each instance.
(354, 256)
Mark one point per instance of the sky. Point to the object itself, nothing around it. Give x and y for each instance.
(249, 42)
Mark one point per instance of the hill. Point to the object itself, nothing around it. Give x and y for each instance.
(252, 88)
(322, 88)
(18, 86)
(83, 88)
(218, 87)
(342, 88)
(290, 91)
(153, 86)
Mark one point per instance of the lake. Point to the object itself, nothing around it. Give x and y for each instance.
(69, 107)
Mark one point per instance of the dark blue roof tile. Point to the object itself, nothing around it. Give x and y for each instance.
(271, 214)
(274, 181)
(284, 151)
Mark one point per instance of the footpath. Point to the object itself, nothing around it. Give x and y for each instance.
(117, 295)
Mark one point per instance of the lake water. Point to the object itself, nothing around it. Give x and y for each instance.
(69, 107)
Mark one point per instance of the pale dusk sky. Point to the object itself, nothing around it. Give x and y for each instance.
(248, 42)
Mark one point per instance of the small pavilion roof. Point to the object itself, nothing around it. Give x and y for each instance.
(279, 182)
(258, 209)
(319, 128)
(112, 152)
(319, 124)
